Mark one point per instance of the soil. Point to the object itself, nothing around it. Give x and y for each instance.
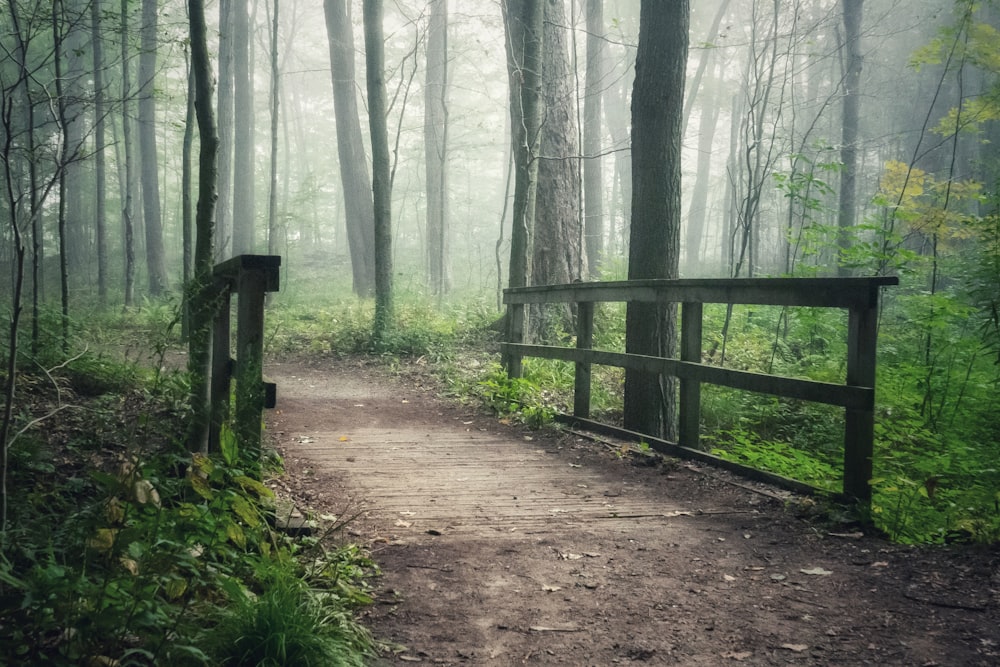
(499, 545)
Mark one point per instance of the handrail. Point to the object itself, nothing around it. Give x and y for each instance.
(250, 276)
(859, 296)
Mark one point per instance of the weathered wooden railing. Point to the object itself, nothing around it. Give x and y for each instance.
(250, 277)
(859, 296)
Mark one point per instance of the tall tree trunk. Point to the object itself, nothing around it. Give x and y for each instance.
(358, 206)
(273, 228)
(224, 204)
(200, 341)
(155, 260)
(100, 188)
(557, 254)
(436, 148)
(853, 10)
(244, 210)
(523, 21)
(187, 146)
(593, 174)
(697, 210)
(128, 206)
(657, 110)
(381, 167)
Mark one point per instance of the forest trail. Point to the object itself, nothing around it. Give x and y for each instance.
(504, 546)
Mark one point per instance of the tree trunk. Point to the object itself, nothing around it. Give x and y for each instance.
(557, 256)
(523, 20)
(128, 225)
(244, 211)
(381, 168)
(593, 174)
(273, 227)
(436, 148)
(697, 210)
(200, 341)
(358, 205)
(155, 261)
(657, 111)
(224, 204)
(100, 187)
(853, 10)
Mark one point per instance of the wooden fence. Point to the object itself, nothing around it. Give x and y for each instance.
(250, 277)
(859, 296)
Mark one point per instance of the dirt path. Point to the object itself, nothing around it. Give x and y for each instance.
(502, 546)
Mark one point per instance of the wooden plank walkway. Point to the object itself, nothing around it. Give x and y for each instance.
(501, 546)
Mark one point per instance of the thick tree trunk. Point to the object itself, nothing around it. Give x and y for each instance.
(853, 10)
(155, 261)
(557, 256)
(436, 148)
(358, 205)
(381, 167)
(593, 173)
(523, 20)
(657, 110)
(244, 211)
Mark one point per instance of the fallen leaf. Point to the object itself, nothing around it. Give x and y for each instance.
(571, 556)
(404, 513)
(403, 524)
(816, 571)
(798, 648)
(551, 589)
(729, 577)
(778, 577)
(854, 536)
(343, 438)
(677, 513)
(737, 655)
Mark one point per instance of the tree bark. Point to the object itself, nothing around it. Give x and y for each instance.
(558, 256)
(200, 298)
(224, 203)
(381, 167)
(273, 227)
(436, 148)
(155, 261)
(100, 179)
(358, 206)
(244, 211)
(523, 20)
(128, 206)
(853, 11)
(657, 113)
(593, 174)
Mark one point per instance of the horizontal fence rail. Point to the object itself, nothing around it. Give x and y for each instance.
(859, 296)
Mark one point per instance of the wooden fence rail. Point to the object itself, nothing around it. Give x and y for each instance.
(859, 296)
(250, 277)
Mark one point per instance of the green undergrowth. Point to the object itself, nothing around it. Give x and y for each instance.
(122, 548)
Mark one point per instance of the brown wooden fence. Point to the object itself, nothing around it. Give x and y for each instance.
(250, 277)
(859, 296)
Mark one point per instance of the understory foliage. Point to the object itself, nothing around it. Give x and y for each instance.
(121, 548)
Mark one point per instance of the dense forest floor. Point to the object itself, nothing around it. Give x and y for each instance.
(500, 545)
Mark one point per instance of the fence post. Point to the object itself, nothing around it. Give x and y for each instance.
(859, 427)
(690, 391)
(250, 360)
(515, 334)
(222, 364)
(584, 341)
